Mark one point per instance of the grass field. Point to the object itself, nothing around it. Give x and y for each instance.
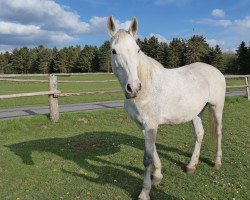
(98, 155)
(14, 87)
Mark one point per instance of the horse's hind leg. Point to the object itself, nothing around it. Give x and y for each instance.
(216, 119)
(199, 132)
(157, 175)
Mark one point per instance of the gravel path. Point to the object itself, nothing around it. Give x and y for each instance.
(38, 110)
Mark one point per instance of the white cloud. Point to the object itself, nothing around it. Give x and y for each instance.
(214, 42)
(19, 34)
(47, 14)
(17, 29)
(218, 13)
(99, 24)
(45, 22)
(229, 50)
(232, 32)
(215, 22)
(159, 37)
(244, 23)
(238, 23)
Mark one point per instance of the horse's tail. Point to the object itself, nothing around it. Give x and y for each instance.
(212, 126)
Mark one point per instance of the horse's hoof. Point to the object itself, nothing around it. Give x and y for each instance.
(190, 170)
(156, 180)
(217, 166)
(143, 196)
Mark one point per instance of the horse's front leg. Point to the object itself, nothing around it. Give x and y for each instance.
(157, 175)
(150, 137)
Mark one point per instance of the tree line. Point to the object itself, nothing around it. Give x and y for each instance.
(90, 58)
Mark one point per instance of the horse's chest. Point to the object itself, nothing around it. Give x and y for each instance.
(142, 113)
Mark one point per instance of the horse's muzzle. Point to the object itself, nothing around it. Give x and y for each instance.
(131, 91)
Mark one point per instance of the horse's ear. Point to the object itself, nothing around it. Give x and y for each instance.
(111, 26)
(133, 27)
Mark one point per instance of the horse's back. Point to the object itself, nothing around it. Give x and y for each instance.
(186, 90)
(215, 80)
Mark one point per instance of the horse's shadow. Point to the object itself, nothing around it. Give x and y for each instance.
(88, 148)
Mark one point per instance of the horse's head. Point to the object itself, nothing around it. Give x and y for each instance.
(125, 57)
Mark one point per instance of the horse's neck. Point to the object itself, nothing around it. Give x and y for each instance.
(148, 69)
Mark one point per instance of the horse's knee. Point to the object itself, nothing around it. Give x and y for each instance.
(147, 159)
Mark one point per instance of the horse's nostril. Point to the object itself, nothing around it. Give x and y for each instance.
(139, 86)
(129, 89)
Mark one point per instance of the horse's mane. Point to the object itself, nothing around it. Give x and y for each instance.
(147, 67)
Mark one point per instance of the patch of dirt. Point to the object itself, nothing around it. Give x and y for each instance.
(83, 120)
(89, 145)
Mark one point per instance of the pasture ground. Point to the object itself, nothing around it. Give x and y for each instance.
(98, 155)
(23, 87)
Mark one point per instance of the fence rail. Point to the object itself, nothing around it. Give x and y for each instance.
(46, 75)
(54, 93)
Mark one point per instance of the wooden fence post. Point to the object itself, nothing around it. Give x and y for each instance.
(247, 81)
(53, 99)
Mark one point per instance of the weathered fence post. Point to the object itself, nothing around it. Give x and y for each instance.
(247, 81)
(53, 99)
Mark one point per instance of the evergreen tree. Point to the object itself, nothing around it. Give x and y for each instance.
(162, 53)
(52, 67)
(144, 46)
(215, 58)
(153, 46)
(60, 62)
(72, 56)
(3, 62)
(139, 42)
(230, 63)
(196, 50)
(243, 60)
(105, 57)
(43, 60)
(87, 59)
(176, 53)
(22, 60)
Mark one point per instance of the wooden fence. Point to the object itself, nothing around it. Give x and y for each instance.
(54, 93)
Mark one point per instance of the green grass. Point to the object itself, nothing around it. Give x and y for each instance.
(98, 155)
(235, 81)
(13, 88)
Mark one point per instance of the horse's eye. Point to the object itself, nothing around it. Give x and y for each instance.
(139, 50)
(113, 51)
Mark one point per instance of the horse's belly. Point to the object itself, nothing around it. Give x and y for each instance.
(181, 113)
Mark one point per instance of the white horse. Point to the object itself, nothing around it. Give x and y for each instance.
(156, 95)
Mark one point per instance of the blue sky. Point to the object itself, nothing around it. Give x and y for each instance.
(70, 22)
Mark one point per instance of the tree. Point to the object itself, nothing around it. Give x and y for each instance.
(60, 62)
(144, 45)
(87, 59)
(153, 46)
(72, 56)
(52, 67)
(215, 58)
(105, 57)
(3, 62)
(196, 49)
(230, 63)
(243, 59)
(43, 60)
(162, 53)
(176, 53)
(21, 60)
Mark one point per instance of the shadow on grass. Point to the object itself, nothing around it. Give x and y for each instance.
(86, 150)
